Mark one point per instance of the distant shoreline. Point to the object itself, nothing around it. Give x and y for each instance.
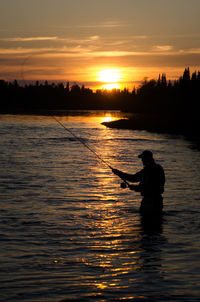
(57, 112)
(157, 105)
(133, 121)
(161, 124)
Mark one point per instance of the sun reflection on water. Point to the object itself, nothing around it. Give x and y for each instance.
(89, 117)
(108, 118)
(84, 239)
(112, 253)
(112, 231)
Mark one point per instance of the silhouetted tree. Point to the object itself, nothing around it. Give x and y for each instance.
(186, 74)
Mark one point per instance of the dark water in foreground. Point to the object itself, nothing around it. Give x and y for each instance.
(68, 232)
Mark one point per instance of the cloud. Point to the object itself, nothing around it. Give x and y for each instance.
(140, 37)
(20, 39)
(23, 51)
(105, 24)
(54, 38)
(82, 54)
(111, 24)
(94, 38)
(162, 48)
(190, 51)
(64, 50)
(89, 51)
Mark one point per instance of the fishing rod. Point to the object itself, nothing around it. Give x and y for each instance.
(125, 184)
(82, 142)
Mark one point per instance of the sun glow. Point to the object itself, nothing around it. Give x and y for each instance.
(109, 75)
(111, 86)
(110, 78)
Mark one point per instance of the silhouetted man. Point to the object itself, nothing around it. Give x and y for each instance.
(151, 183)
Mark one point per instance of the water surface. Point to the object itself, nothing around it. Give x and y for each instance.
(69, 232)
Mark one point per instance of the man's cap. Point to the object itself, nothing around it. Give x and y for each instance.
(146, 154)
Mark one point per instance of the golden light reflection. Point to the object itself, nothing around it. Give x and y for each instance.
(91, 117)
(112, 252)
(127, 298)
(108, 118)
(101, 285)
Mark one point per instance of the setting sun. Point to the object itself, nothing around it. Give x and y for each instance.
(109, 76)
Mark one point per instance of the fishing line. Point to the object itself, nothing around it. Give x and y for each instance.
(82, 142)
(125, 183)
(90, 149)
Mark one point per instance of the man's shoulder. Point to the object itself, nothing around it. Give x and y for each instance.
(155, 167)
(160, 169)
(159, 166)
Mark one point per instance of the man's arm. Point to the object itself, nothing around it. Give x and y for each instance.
(130, 177)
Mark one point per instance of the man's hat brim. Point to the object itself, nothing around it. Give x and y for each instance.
(146, 154)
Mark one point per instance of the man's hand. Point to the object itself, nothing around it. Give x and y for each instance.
(134, 188)
(116, 172)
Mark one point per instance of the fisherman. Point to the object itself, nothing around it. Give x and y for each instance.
(151, 183)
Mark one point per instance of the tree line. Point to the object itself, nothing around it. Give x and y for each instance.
(165, 106)
(180, 97)
(51, 96)
(156, 97)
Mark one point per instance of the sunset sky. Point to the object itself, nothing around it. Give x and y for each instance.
(97, 41)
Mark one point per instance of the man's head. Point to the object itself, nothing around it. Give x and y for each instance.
(147, 157)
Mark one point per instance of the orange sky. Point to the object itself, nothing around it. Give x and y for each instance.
(98, 42)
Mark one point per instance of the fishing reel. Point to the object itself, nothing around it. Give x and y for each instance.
(123, 185)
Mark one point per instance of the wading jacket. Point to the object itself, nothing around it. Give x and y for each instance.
(151, 180)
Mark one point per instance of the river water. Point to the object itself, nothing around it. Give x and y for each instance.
(68, 231)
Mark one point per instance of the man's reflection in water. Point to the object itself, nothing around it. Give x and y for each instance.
(151, 246)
